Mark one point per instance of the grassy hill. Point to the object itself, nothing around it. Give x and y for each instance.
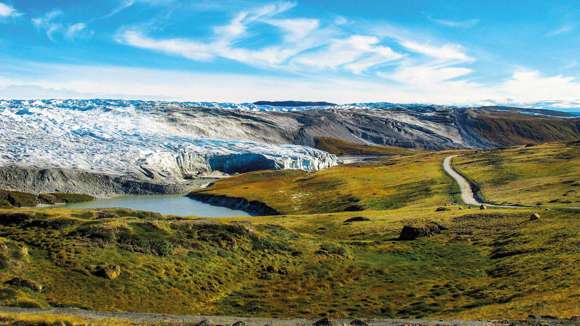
(409, 181)
(486, 265)
(322, 258)
(546, 175)
(505, 128)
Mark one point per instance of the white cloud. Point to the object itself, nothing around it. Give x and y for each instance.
(561, 30)
(446, 52)
(48, 24)
(8, 11)
(295, 29)
(185, 48)
(75, 30)
(531, 86)
(298, 35)
(426, 74)
(469, 23)
(52, 25)
(237, 26)
(438, 84)
(356, 54)
(304, 44)
(124, 4)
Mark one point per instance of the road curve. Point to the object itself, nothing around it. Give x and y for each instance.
(466, 192)
(467, 195)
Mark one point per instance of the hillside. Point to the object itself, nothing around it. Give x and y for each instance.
(495, 264)
(508, 128)
(408, 181)
(541, 175)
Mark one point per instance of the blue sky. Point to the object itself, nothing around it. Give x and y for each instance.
(446, 52)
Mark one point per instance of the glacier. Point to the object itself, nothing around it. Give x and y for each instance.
(137, 139)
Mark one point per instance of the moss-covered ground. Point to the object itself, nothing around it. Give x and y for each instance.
(541, 175)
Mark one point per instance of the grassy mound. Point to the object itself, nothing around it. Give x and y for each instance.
(546, 175)
(409, 181)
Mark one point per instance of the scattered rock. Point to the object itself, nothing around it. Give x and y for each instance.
(239, 323)
(534, 217)
(324, 322)
(20, 282)
(204, 322)
(442, 209)
(358, 322)
(266, 272)
(333, 250)
(110, 272)
(482, 207)
(413, 232)
(356, 219)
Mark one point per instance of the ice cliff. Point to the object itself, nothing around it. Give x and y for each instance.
(119, 138)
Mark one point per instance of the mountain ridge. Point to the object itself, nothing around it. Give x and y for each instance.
(169, 142)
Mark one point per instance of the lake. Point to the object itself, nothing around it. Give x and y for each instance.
(165, 204)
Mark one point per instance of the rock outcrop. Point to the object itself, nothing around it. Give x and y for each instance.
(109, 272)
(412, 232)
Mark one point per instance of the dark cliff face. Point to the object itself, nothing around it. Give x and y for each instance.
(254, 208)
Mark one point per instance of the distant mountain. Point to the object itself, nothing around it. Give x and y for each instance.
(168, 142)
(293, 103)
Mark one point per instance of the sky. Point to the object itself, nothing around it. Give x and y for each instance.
(411, 51)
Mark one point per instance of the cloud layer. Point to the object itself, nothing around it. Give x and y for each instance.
(272, 51)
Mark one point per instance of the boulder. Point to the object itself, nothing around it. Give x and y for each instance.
(20, 282)
(482, 207)
(204, 322)
(412, 232)
(356, 219)
(239, 323)
(324, 322)
(534, 217)
(110, 272)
